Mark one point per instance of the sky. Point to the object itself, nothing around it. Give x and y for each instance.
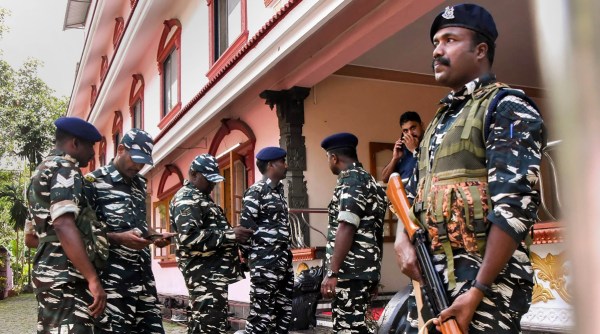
(36, 31)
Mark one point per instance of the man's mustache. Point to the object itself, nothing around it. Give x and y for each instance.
(441, 61)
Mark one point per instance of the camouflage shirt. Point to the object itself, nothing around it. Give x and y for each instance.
(265, 210)
(56, 189)
(121, 203)
(360, 201)
(206, 246)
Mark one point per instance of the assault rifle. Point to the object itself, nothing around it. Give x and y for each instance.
(435, 294)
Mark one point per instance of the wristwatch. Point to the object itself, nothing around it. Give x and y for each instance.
(331, 274)
(486, 289)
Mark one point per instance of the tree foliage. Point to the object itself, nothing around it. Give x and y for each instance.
(28, 109)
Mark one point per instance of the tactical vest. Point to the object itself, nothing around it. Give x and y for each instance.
(452, 199)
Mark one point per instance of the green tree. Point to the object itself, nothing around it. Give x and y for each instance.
(28, 108)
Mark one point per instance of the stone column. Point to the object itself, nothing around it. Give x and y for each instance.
(289, 106)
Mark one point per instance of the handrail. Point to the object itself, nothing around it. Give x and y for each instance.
(298, 218)
(554, 179)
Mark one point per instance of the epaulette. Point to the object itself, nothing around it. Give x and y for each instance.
(344, 174)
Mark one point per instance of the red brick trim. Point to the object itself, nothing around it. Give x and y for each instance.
(169, 170)
(119, 29)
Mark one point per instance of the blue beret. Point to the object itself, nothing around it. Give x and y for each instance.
(271, 153)
(339, 140)
(467, 16)
(78, 128)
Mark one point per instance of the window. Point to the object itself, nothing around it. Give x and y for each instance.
(137, 114)
(228, 31)
(170, 181)
(136, 102)
(169, 67)
(117, 130)
(102, 152)
(169, 83)
(228, 24)
(163, 224)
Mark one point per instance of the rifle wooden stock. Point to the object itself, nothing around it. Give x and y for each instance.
(435, 295)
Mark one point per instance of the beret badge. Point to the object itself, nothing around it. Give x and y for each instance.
(448, 13)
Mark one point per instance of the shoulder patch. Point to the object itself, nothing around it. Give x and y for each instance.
(90, 178)
(344, 174)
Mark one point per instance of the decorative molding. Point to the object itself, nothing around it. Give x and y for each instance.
(551, 270)
(92, 102)
(117, 126)
(555, 320)
(289, 107)
(303, 254)
(228, 125)
(410, 77)
(118, 32)
(169, 170)
(548, 233)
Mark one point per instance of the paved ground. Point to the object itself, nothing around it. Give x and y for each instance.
(18, 316)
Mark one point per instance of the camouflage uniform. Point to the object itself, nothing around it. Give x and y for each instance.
(132, 300)
(207, 255)
(360, 201)
(265, 210)
(512, 159)
(61, 291)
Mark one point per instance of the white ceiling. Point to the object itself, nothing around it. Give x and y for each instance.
(409, 50)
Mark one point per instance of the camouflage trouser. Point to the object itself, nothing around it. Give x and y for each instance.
(134, 309)
(349, 307)
(270, 299)
(64, 309)
(207, 311)
(491, 316)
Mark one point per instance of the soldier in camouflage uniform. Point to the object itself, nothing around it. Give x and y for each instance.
(207, 247)
(67, 287)
(354, 237)
(118, 194)
(265, 211)
(477, 165)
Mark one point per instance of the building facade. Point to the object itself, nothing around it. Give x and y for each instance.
(228, 77)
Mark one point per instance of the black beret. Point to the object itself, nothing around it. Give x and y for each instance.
(468, 16)
(339, 140)
(271, 153)
(78, 128)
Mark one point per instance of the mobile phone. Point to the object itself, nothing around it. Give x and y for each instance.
(154, 237)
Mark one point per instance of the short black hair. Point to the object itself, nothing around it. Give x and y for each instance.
(262, 165)
(479, 38)
(410, 116)
(349, 152)
(61, 136)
